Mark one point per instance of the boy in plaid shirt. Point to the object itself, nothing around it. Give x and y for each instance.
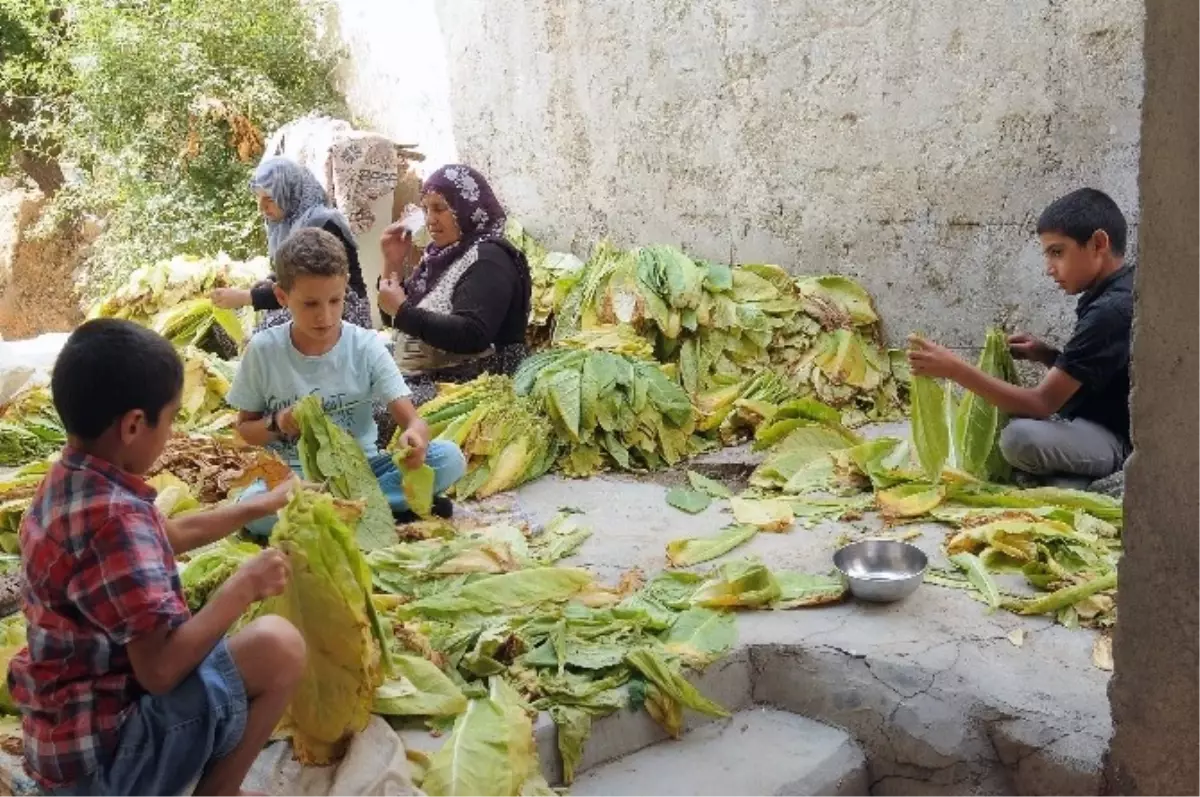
(121, 689)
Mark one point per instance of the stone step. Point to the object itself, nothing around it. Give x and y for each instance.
(758, 751)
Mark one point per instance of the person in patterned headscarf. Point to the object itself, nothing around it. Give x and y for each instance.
(464, 309)
(290, 198)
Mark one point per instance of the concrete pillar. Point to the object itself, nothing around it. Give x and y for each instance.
(1154, 688)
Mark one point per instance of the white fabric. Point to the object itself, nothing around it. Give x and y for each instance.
(28, 362)
(375, 765)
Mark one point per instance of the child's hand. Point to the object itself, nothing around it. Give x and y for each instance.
(415, 442)
(929, 359)
(287, 423)
(266, 574)
(1026, 347)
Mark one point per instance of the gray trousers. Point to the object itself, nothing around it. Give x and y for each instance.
(1058, 447)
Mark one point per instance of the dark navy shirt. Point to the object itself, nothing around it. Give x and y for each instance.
(1097, 355)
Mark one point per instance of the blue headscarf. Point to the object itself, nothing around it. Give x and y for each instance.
(299, 195)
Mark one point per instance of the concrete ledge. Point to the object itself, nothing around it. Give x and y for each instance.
(758, 751)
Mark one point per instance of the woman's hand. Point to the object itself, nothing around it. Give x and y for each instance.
(396, 245)
(391, 295)
(230, 298)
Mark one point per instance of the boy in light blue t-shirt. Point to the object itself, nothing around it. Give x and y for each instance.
(347, 366)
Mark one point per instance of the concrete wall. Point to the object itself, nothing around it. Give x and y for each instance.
(1154, 689)
(905, 143)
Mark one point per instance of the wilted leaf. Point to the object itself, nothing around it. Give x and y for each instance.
(701, 636)
(490, 751)
(909, 500)
(1016, 636)
(745, 584)
(418, 687)
(694, 550)
(930, 430)
(508, 591)
(767, 514)
(690, 501)
(656, 670)
(808, 589)
(1102, 655)
(704, 484)
(978, 575)
(574, 726)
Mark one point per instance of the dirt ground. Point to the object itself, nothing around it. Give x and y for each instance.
(37, 274)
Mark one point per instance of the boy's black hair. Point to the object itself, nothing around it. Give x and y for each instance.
(1080, 213)
(107, 368)
(310, 251)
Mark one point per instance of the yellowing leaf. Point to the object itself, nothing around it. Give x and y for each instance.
(741, 584)
(489, 752)
(672, 684)
(701, 636)
(909, 500)
(507, 591)
(327, 599)
(767, 514)
(930, 430)
(807, 589)
(418, 687)
(1102, 655)
(417, 484)
(694, 550)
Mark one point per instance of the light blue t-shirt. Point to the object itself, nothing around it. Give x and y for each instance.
(273, 375)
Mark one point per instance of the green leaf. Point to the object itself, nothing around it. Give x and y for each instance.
(909, 500)
(418, 687)
(745, 584)
(978, 575)
(329, 454)
(694, 550)
(574, 726)
(807, 589)
(701, 636)
(767, 514)
(690, 501)
(672, 684)
(708, 486)
(930, 431)
(417, 484)
(507, 591)
(490, 751)
(1066, 597)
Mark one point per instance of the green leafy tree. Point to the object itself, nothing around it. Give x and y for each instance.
(163, 106)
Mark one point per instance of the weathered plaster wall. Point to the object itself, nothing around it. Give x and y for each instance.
(1154, 689)
(396, 79)
(906, 143)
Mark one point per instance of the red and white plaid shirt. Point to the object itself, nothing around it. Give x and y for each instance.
(100, 573)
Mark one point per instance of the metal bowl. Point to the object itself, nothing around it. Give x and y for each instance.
(881, 570)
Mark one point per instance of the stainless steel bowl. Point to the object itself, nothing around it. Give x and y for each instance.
(881, 570)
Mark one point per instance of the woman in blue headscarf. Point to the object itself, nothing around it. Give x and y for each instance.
(291, 198)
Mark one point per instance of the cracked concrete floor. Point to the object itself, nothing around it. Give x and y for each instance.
(932, 686)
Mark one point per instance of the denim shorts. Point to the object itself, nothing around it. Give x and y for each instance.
(167, 740)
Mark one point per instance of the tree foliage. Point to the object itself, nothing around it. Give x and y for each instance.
(163, 106)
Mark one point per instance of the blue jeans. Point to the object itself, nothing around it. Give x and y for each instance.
(166, 741)
(444, 457)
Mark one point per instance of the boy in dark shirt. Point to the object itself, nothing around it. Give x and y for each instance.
(1072, 427)
(121, 689)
